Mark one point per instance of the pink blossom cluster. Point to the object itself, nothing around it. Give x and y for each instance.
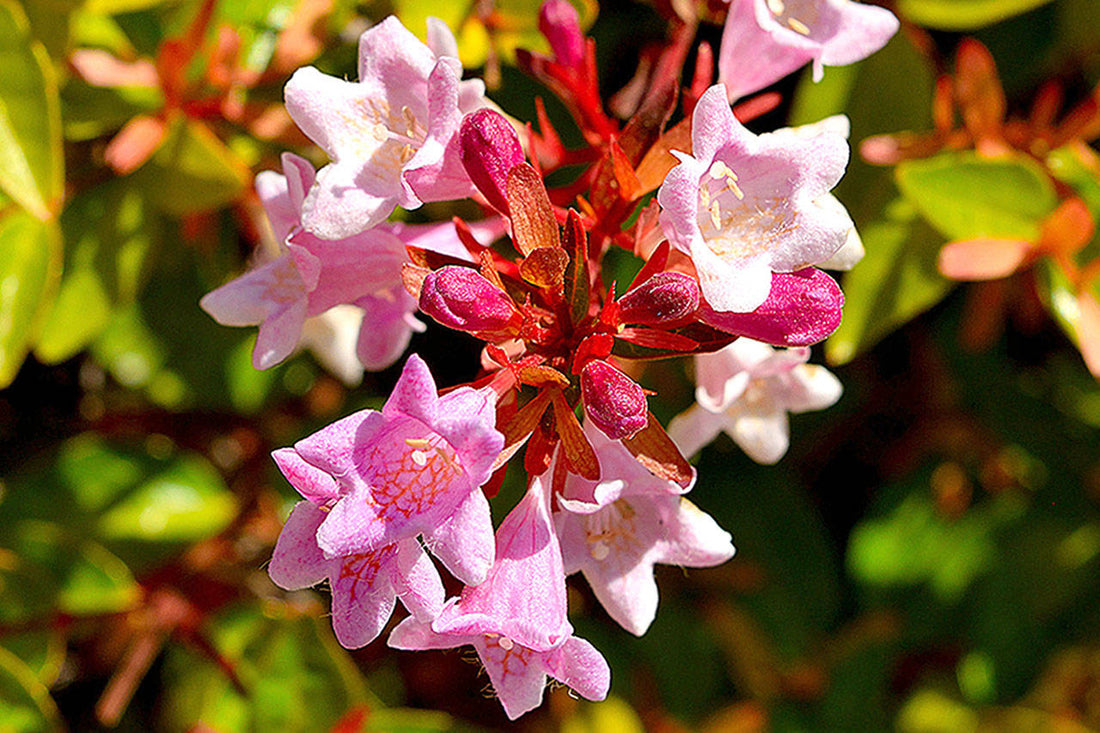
(732, 249)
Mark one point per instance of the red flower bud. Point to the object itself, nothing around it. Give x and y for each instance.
(613, 401)
(490, 148)
(463, 299)
(664, 298)
(558, 21)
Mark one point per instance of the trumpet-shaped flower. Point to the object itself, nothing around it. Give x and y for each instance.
(518, 673)
(312, 275)
(414, 468)
(391, 136)
(764, 40)
(364, 585)
(746, 390)
(744, 206)
(523, 599)
(617, 546)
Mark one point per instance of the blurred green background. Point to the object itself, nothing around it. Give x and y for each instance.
(925, 558)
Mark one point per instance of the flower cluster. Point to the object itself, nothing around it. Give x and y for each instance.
(730, 249)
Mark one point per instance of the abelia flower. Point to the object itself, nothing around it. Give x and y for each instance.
(463, 299)
(617, 546)
(391, 136)
(516, 619)
(743, 206)
(746, 390)
(518, 674)
(665, 298)
(312, 275)
(764, 40)
(364, 585)
(523, 598)
(414, 468)
(560, 23)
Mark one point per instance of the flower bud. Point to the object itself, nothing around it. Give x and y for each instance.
(490, 148)
(614, 402)
(463, 299)
(558, 21)
(664, 298)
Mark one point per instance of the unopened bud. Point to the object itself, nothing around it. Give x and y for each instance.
(463, 299)
(614, 402)
(664, 298)
(490, 148)
(558, 21)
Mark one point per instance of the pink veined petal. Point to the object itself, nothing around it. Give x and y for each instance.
(417, 582)
(698, 540)
(330, 449)
(281, 212)
(523, 597)
(363, 597)
(518, 674)
(578, 664)
(679, 200)
(414, 395)
(391, 55)
(465, 544)
(300, 176)
(713, 126)
(310, 481)
(349, 198)
(352, 526)
(361, 265)
(297, 562)
(415, 635)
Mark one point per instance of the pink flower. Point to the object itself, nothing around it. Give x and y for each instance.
(764, 40)
(613, 401)
(523, 598)
(744, 206)
(364, 585)
(516, 619)
(617, 546)
(414, 468)
(518, 674)
(746, 390)
(391, 136)
(312, 276)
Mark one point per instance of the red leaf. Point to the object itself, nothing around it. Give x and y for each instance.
(651, 338)
(577, 286)
(578, 451)
(533, 222)
(545, 268)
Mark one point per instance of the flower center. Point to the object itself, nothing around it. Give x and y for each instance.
(734, 225)
(611, 528)
(391, 138)
(798, 15)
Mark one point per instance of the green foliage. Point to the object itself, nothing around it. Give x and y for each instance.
(967, 196)
(27, 706)
(31, 166)
(961, 15)
(30, 253)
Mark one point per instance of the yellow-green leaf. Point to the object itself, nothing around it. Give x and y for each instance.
(963, 15)
(31, 163)
(30, 253)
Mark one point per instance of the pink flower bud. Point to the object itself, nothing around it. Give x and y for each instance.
(558, 21)
(614, 401)
(463, 299)
(664, 298)
(490, 148)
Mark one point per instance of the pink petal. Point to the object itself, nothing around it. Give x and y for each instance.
(465, 543)
(310, 481)
(297, 562)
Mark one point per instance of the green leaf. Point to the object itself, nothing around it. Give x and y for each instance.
(91, 111)
(31, 166)
(27, 706)
(42, 651)
(191, 171)
(963, 15)
(293, 673)
(896, 280)
(108, 234)
(966, 196)
(30, 254)
(55, 570)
